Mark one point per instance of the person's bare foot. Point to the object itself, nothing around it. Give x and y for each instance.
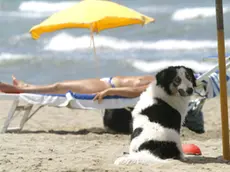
(19, 83)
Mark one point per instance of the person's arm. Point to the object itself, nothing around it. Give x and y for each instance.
(129, 92)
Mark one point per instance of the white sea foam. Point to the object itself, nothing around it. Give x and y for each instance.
(10, 56)
(154, 66)
(37, 9)
(43, 6)
(21, 37)
(193, 13)
(155, 9)
(22, 14)
(66, 42)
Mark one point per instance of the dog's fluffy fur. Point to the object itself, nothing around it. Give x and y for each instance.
(158, 116)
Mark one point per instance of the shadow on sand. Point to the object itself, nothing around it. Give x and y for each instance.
(93, 130)
(206, 160)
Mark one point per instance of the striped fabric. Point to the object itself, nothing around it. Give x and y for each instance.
(212, 83)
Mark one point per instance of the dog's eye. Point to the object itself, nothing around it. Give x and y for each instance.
(177, 81)
(188, 76)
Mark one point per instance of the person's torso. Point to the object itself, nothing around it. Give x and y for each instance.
(132, 81)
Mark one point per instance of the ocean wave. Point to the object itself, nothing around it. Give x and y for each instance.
(194, 13)
(154, 66)
(11, 56)
(155, 9)
(21, 37)
(66, 42)
(43, 6)
(22, 14)
(37, 9)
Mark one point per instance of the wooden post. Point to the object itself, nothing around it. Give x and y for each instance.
(223, 82)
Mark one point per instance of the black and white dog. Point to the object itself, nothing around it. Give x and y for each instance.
(158, 116)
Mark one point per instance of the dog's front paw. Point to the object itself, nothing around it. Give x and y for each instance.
(182, 157)
(121, 160)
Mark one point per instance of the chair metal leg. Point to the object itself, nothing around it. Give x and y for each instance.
(10, 116)
(25, 116)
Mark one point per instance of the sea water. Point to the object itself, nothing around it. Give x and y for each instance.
(184, 33)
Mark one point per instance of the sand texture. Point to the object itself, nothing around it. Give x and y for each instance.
(61, 140)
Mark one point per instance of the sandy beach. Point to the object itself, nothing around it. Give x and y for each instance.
(61, 140)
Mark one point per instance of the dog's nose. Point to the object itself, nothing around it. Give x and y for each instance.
(189, 91)
(182, 92)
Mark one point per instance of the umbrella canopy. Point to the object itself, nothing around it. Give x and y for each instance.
(96, 15)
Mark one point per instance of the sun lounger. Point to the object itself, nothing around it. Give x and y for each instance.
(208, 86)
(69, 100)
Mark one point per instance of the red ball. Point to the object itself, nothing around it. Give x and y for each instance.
(191, 149)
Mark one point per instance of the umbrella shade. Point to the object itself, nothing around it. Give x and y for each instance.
(96, 15)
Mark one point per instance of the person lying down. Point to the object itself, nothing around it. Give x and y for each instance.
(126, 86)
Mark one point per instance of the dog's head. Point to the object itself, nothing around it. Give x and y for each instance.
(177, 80)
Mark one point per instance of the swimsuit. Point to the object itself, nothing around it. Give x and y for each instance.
(109, 81)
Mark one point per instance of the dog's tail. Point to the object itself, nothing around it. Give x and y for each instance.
(143, 157)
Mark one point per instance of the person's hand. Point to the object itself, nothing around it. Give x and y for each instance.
(100, 95)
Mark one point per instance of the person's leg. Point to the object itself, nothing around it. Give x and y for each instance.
(7, 88)
(86, 86)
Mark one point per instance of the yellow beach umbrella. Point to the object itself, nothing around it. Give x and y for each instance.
(96, 15)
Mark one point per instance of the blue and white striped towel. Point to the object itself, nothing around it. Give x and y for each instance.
(213, 84)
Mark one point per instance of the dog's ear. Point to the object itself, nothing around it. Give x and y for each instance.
(160, 76)
(192, 74)
(166, 75)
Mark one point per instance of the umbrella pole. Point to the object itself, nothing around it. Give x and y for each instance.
(94, 50)
(223, 82)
